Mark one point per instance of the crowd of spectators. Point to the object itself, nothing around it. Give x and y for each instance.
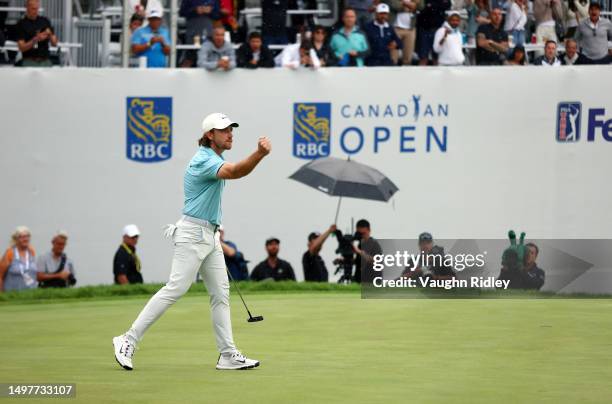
(21, 268)
(367, 33)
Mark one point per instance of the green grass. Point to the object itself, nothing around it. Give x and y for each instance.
(320, 347)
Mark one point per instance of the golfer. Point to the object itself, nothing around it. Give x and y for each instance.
(197, 246)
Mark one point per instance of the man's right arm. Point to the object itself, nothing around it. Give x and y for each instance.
(321, 239)
(232, 171)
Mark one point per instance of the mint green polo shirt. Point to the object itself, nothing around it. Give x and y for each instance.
(203, 190)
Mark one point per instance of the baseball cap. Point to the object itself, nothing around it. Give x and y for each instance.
(155, 13)
(382, 8)
(272, 240)
(217, 120)
(131, 230)
(425, 236)
(313, 235)
(453, 12)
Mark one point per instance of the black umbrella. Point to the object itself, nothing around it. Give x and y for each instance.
(337, 177)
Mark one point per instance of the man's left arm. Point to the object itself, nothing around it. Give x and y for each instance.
(166, 42)
(52, 37)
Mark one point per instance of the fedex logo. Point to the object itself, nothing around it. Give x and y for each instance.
(597, 123)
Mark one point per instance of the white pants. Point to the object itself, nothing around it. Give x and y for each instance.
(195, 248)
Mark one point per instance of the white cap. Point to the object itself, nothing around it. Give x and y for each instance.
(382, 8)
(155, 13)
(131, 230)
(217, 120)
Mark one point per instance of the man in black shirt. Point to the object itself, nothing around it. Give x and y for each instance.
(274, 21)
(253, 54)
(273, 268)
(491, 41)
(126, 265)
(34, 33)
(314, 266)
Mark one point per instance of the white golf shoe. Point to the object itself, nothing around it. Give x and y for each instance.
(124, 351)
(236, 361)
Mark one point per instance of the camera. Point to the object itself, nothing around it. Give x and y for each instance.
(345, 249)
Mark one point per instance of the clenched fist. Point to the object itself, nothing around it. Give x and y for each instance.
(264, 146)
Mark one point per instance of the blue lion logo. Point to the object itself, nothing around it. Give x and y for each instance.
(311, 130)
(149, 128)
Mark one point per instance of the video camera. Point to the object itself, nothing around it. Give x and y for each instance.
(345, 249)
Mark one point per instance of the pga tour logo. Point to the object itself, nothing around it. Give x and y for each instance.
(569, 120)
(149, 129)
(311, 129)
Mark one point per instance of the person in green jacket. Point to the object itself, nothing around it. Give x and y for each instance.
(349, 43)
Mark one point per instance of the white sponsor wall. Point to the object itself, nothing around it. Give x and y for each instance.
(63, 156)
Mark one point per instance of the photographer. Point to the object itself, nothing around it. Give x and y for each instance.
(368, 247)
(314, 266)
(525, 274)
(435, 254)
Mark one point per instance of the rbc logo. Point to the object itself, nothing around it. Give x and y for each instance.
(149, 129)
(568, 121)
(311, 129)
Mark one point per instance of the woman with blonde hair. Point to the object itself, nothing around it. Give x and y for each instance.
(18, 264)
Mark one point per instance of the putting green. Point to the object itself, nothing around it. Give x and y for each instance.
(321, 347)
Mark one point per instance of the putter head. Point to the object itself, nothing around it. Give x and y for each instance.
(255, 319)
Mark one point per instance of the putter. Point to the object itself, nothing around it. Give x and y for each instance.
(251, 319)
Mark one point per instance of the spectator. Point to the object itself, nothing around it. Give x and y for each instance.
(234, 259)
(363, 10)
(314, 266)
(273, 268)
(200, 16)
(321, 47)
(430, 267)
(550, 55)
(34, 33)
(491, 41)
(382, 38)
(571, 56)
(368, 247)
(405, 23)
(516, 18)
(448, 42)
(300, 55)
(545, 13)
(533, 277)
(576, 11)
(126, 264)
(431, 17)
(217, 54)
(348, 43)
(18, 264)
(274, 21)
(525, 274)
(143, 7)
(56, 262)
(479, 14)
(593, 34)
(228, 15)
(254, 54)
(517, 57)
(152, 41)
(136, 22)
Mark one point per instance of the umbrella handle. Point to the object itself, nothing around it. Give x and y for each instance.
(337, 210)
